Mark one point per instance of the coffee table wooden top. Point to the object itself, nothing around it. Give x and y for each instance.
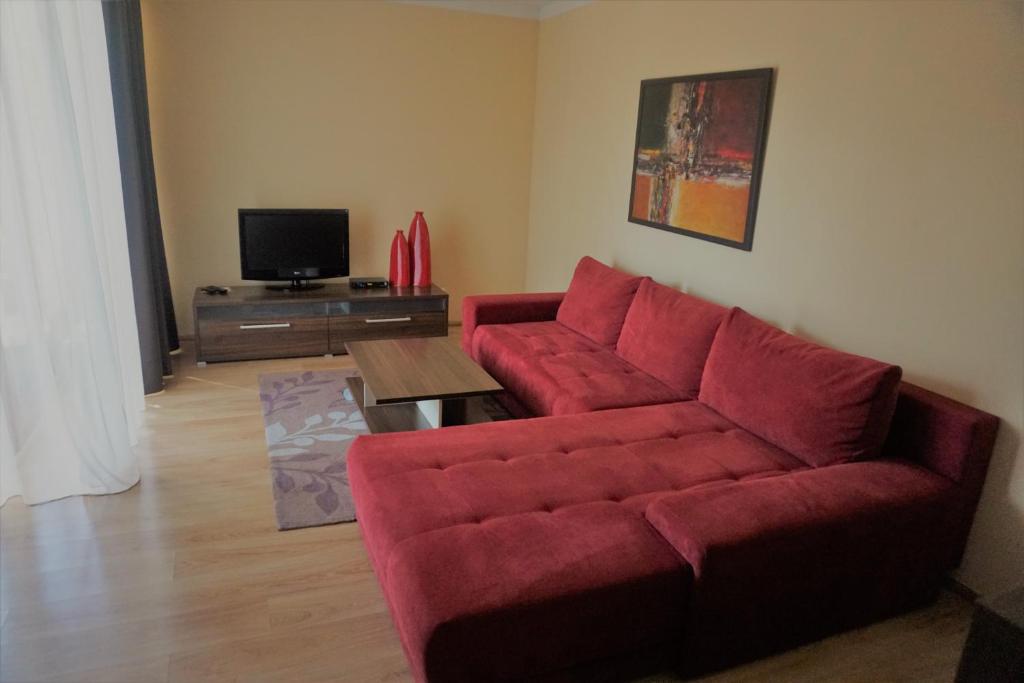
(420, 369)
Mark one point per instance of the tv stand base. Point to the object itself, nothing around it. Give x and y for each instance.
(254, 322)
(296, 286)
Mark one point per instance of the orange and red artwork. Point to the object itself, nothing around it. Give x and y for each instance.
(699, 153)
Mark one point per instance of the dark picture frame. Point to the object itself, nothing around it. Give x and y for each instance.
(699, 154)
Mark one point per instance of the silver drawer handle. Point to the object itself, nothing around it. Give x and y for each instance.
(389, 320)
(264, 326)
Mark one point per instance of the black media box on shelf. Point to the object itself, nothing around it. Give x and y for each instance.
(368, 283)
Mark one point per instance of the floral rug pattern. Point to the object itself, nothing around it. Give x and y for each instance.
(310, 419)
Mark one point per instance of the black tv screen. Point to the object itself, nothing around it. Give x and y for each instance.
(293, 244)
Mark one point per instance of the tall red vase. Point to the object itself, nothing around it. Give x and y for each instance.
(400, 273)
(419, 247)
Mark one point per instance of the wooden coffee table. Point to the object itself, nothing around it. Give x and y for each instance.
(400, 375)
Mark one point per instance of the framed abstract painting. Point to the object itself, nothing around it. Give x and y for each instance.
(699, 152)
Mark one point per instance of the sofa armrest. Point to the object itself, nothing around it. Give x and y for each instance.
(783, 560)
(497, 309)
(949, 438)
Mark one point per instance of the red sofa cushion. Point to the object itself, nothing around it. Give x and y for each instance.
(822, 405)
(513, 548)
(597, 301)
(784, 560)
(552, 370)
(668, 334)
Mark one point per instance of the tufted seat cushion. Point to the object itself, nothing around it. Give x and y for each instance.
(516, 547)
(552, 370)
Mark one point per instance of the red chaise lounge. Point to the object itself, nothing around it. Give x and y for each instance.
(696, 486)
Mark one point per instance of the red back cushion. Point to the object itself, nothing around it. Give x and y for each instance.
(597, 301)
(668, 334)
(821, 405)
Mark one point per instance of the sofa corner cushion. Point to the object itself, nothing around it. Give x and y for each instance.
(668, 334)
(597, 301)
(822, 405)
(806, 506)
(784, 560)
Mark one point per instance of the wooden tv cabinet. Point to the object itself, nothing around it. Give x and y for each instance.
(252, 322)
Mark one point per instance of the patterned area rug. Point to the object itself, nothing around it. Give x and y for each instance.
(311, 419)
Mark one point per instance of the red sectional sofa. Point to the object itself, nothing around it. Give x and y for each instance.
(694, 485)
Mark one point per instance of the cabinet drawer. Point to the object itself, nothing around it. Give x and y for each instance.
(262, 338)
(384, 326)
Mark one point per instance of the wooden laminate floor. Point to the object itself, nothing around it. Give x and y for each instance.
(186, 578)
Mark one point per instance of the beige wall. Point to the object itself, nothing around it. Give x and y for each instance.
(377, 107)
(891, 220)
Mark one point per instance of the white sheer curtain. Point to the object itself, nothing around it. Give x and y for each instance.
(70, 375)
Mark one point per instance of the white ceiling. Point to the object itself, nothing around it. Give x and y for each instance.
(521, 9)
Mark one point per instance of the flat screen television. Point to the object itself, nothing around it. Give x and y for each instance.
(295, 245)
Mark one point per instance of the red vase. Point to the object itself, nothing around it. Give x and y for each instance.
(400, 273)
(419, 247)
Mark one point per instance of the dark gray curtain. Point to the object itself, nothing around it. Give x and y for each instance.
(158, 330)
